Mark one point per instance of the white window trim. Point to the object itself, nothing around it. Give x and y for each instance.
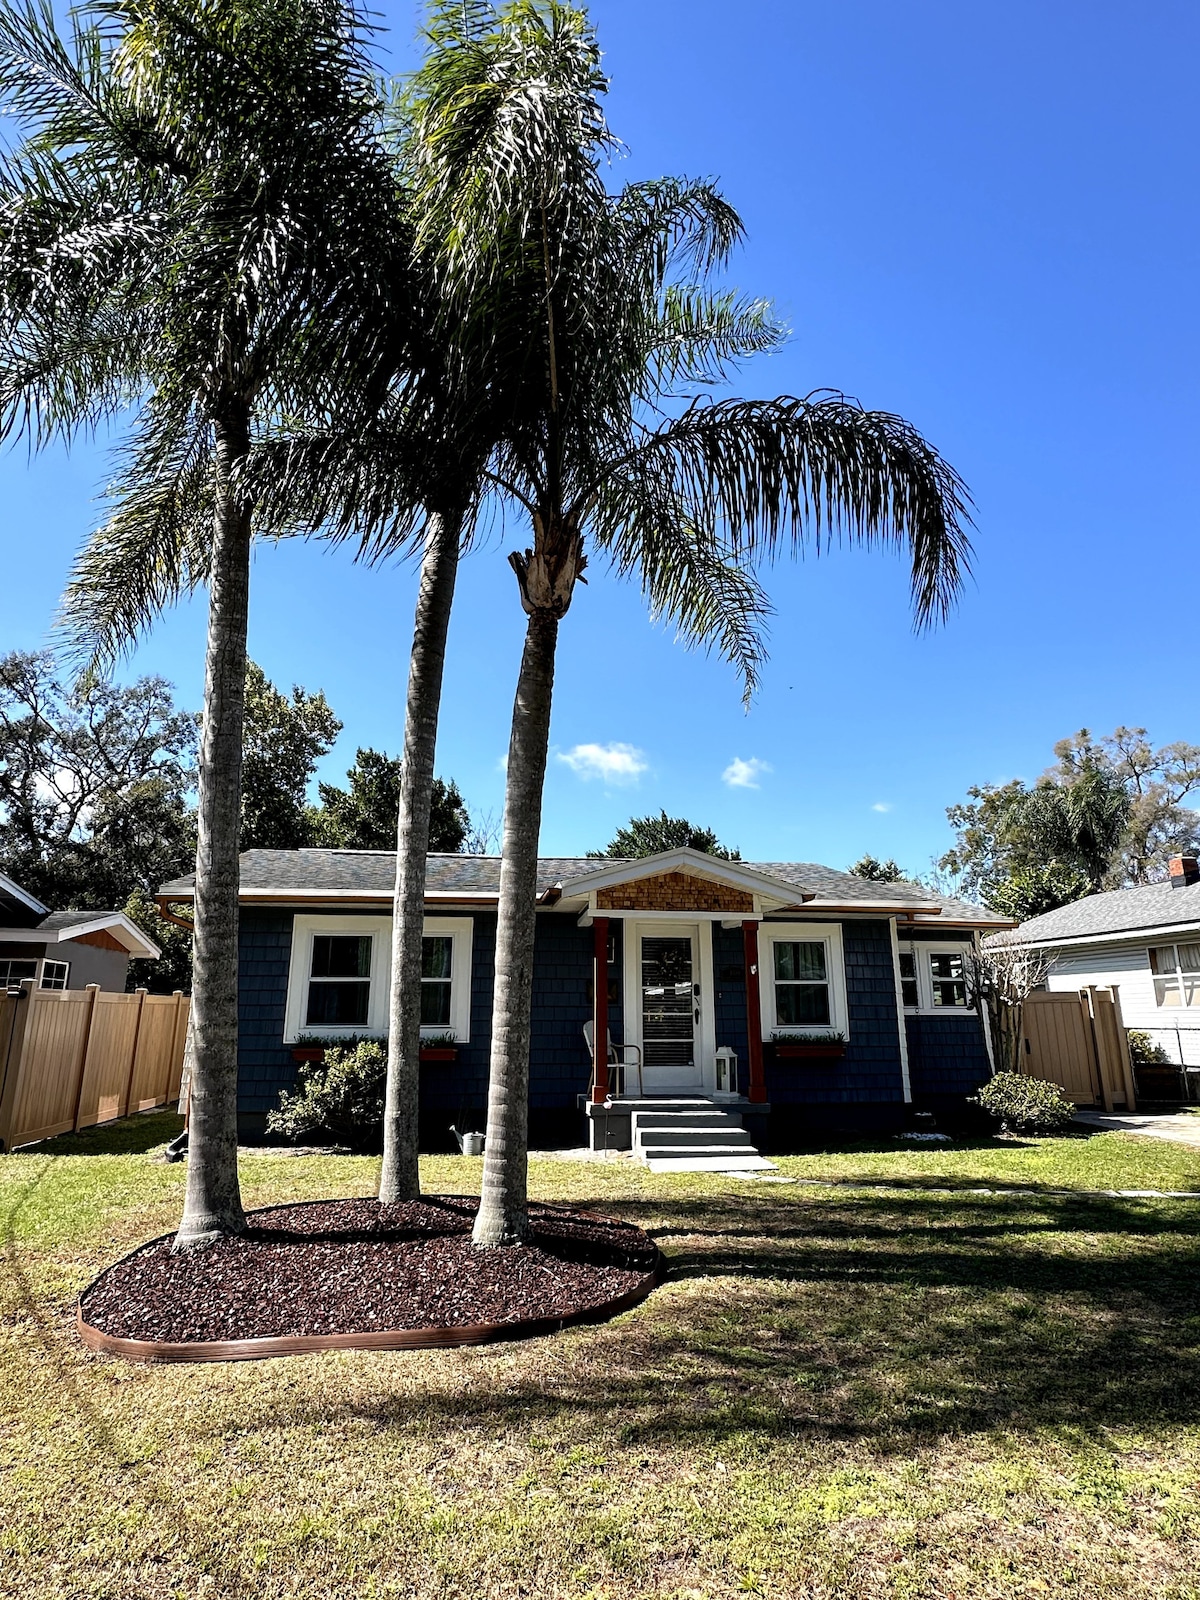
(828, 933)
(305, 928)
(53, 961)
(461, 931)
(922, 950)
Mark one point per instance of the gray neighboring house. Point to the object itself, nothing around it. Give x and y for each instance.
(1144, 942)
(65, 949)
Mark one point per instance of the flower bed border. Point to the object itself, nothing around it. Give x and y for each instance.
(299, 1344)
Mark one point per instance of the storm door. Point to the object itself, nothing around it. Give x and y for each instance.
(670, 1011)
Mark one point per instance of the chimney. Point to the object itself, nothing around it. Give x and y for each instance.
(1184, 870)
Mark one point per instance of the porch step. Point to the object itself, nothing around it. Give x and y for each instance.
(691, 1162)
(692, 1136)
(689, 1137)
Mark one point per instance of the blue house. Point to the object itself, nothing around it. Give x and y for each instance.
(809, 999)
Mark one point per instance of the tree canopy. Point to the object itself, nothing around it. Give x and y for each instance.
(876, 871)
(362, 816)
(647, 836)
(282, 741)
(1107, 815)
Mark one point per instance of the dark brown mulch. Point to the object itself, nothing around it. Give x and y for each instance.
(354, 1266)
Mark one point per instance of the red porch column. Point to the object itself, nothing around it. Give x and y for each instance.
(600, 1009)
(758, 1083)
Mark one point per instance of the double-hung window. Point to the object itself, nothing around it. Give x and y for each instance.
(437, 980)
(339, 981)
(1176, 969)
(12, 972)
(339, 977)
(934, 978)
(802, 984)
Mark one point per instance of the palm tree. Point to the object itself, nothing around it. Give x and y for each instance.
(614, 442)
(193, 226)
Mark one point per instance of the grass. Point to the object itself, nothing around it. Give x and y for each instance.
(865, 1387)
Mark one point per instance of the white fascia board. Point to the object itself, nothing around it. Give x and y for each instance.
(26, 899)
(117, 923)
(694, 862)
(1171, 930)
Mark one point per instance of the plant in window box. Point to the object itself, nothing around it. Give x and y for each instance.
(439, 1047)
(808, 1046)
(312, 1046)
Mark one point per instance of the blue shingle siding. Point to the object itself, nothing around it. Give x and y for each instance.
(947, 1057)
(265, 1063)
(870, 1071)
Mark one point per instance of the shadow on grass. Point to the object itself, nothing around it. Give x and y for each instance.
(132, 1136)
(892, 1324)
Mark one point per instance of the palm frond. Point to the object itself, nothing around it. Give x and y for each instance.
(802, 472)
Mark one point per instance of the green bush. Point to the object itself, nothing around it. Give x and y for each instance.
(339, 1100)
(1026, 1105)
(1143, 1051)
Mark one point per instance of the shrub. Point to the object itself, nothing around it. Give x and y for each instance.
(1143, 1051)
(339, 1100)
(1026, 1105)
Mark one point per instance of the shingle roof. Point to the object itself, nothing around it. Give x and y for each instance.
(71, 919)
(1156, 905)
(350, 872)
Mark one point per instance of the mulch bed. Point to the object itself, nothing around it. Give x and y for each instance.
(355, 1267)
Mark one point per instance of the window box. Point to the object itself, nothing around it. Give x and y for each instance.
(308, 1052)
(828, 1050)
(439, 1052)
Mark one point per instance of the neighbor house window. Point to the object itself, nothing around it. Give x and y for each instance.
(801, 984)
(1176, 969)
(12, 972)
(339, 988)
(54, 974)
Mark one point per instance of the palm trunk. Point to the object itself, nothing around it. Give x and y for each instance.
(213, 1204)
(399, 1179)
(503, 1217)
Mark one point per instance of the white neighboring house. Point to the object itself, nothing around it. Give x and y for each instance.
(1143, 942)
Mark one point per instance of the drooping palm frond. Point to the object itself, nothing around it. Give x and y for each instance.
(151, 552)
(792, 472)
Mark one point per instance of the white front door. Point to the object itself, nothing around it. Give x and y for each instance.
(669, 989)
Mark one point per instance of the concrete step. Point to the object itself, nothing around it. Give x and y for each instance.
(685, 1119)
(692, 1161)
(681, 1152)
(691, 1138)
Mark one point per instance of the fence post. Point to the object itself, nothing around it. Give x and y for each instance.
(12, 1054)
(176, 1086)
(1123, 1045)
(135, 1051)
(1097, 1060)
(89, 1042)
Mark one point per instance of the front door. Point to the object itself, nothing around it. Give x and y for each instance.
(669, 990)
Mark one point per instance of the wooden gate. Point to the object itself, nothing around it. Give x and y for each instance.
(74, 1057)
(1077, 1040)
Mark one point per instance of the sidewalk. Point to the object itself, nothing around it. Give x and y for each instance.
(1180, 1127)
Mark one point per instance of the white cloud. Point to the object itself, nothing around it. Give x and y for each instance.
(882, 805)
(741, 774)
(614, 763)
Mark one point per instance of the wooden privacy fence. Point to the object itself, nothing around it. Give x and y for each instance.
(1077, 1040)
(70, 1058)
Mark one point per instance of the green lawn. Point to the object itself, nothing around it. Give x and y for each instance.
(864, 1387)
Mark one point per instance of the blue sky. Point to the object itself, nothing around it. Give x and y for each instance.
(982, 217)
